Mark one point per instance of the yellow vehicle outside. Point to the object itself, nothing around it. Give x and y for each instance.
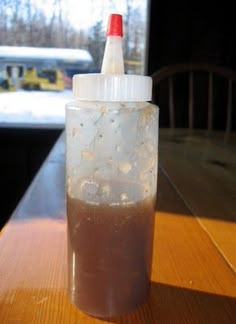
(6, 85)
(50, 79)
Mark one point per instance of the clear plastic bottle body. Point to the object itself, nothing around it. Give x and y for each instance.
(111, 182)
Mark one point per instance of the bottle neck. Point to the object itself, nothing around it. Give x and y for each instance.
(113, 62)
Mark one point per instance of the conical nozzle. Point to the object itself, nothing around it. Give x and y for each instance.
(113, 62)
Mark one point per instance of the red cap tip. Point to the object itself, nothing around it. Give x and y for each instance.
(115, 27)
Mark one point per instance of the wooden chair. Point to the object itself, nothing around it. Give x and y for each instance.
(169, 72)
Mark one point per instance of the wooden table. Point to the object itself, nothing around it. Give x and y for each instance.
(194, 262)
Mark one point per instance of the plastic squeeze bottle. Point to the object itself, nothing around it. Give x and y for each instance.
(111, 182)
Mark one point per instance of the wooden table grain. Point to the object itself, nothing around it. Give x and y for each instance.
(194, 261)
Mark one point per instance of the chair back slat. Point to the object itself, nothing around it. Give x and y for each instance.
(210, 103)
(190, 101)
(171, 102)
(229, 109)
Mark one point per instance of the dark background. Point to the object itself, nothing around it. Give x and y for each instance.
(22, 151)
(180, 31)
(193, 31)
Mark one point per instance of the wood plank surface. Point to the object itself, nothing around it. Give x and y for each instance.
(203, 170)
(191, 280)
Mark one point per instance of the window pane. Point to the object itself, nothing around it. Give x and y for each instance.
(44, 42)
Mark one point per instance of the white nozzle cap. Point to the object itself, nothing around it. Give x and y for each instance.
(112, 87)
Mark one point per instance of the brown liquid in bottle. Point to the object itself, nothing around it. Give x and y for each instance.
(110, 254)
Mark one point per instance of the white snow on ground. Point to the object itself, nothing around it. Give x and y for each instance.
(44, 109)
(68, 54)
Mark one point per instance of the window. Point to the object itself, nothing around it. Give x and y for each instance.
(44, 38)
